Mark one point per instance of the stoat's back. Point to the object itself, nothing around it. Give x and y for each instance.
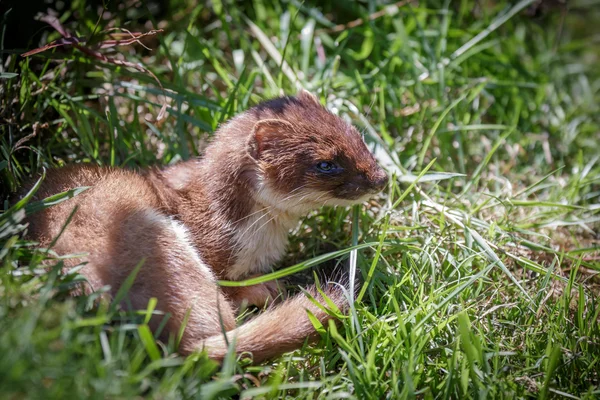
(110, 195)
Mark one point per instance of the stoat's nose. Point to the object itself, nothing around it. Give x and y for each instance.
(379, 179)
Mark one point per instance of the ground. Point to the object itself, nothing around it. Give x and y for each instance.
(480, 277)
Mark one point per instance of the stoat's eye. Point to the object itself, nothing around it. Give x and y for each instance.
(326, 167)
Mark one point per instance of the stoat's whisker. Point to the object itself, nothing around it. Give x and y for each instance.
(319, 197)
(263, 225)
(268, 208)
(241, 236)
(296, 195)
(251, 225)
(292, 193)
(257, 230)
(251, 214)
(312, 201)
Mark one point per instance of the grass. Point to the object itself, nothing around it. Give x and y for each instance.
(481, 280)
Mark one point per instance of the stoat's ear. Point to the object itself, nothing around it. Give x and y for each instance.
(266, 134)
(307, 97)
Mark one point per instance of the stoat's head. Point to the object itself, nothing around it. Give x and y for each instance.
(307, 157)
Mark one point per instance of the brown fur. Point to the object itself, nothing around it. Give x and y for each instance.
(225, 216)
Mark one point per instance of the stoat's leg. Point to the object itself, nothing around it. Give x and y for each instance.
(172, 272)
(256, 295)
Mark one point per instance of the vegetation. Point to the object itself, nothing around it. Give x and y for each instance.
(481, 277)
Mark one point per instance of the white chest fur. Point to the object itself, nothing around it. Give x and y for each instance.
(261, 239)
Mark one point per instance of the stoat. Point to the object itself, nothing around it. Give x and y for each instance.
(224, 216)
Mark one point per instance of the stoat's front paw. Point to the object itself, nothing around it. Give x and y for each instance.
(256, 295)
(270, 292)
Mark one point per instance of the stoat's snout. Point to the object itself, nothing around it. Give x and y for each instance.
(379, 180)
(308, 157)
(376, 179)
(359, 185)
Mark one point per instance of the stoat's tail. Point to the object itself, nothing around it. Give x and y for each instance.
(280, 329)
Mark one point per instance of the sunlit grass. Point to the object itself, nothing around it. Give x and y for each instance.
(479, 261)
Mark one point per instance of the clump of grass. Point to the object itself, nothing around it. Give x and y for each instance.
(481, 277)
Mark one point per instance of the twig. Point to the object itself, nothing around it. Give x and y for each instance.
(78, 43)
(134, 38)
